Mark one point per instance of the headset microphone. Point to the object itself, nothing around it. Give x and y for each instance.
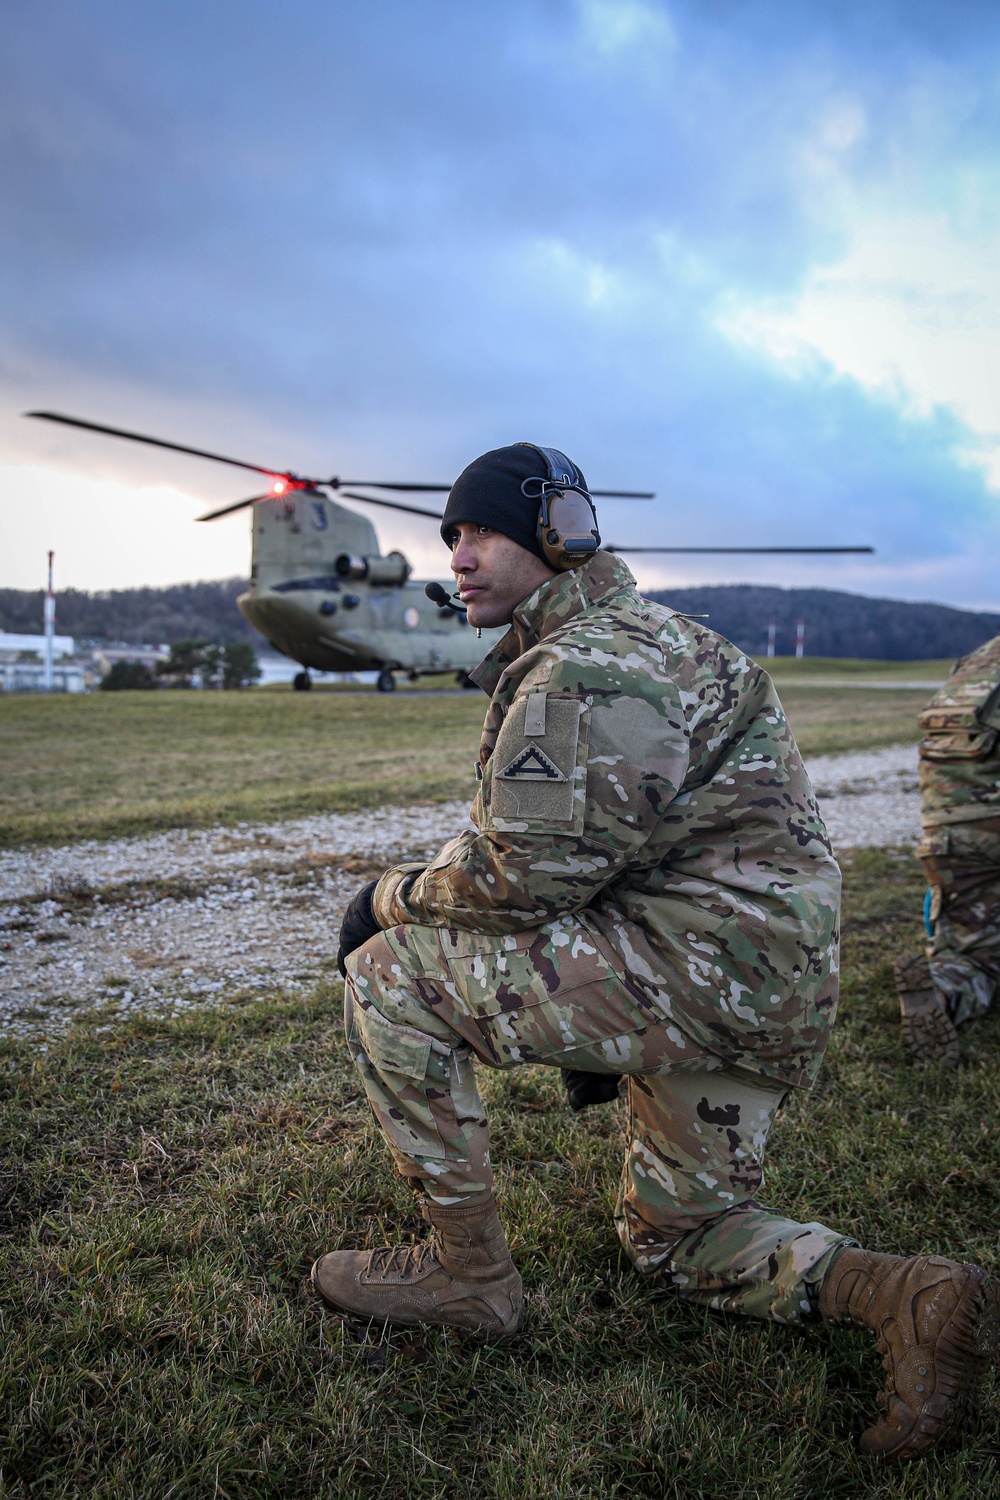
(441, 597)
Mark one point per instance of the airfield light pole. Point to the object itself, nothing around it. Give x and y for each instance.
(50, 627)
(800, 639)
(772, 630)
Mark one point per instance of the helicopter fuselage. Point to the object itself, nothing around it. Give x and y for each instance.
(323, 594)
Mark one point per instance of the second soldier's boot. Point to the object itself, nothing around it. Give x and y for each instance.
(461, 1278)
(927, 1026)
(936, 1323)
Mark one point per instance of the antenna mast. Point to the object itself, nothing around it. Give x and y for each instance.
(50, 627)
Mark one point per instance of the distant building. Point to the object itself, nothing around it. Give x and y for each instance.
(62, 645)
(103, 658)
(22, 664)
(29, 677)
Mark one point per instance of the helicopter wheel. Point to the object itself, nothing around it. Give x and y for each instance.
(464, 680)
(302, 682)
(386, 682)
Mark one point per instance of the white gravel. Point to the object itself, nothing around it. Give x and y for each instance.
(181, 918)
(869, 796)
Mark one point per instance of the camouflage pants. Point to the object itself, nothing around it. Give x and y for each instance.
(962, 864)
(422, 1003)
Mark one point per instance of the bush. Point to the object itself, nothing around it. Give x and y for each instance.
(240, 667)
(185, 660)
(125, 675)
(231, 666)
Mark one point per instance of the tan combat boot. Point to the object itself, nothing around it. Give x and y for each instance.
(462, 1278)
(936, 1323)
(927, 1026)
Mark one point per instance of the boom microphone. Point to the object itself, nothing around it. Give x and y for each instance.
(441, 597)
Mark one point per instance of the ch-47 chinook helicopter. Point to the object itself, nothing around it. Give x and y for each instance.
(324, 595)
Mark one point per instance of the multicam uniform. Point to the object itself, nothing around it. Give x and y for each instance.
(650, 891)
(960, 849)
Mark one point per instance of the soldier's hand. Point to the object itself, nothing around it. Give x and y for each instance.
(359, 924)
(585, 1089)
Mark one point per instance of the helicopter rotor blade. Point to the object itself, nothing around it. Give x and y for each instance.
(414, 510)
(378, 484)
(139, 437)
(227, 510)
(610, 547)
(334, 483)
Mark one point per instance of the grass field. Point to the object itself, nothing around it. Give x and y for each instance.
(108, 764)
(167, 1185)
(787, 668)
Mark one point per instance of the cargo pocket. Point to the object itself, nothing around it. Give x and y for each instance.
(400, 1049)
(397, 1063)
(536, 995)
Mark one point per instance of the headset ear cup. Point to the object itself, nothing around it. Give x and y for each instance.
(567, 529)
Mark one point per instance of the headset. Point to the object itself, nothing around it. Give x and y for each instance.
(567, 521)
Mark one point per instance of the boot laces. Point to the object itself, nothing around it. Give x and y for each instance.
(402, 1261)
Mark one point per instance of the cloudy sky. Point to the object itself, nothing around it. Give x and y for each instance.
(743, 252)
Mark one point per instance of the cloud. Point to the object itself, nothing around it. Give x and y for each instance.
(384, 238)
(912, 311)
(627, 26)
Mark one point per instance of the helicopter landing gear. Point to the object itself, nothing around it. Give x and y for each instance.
(386, 682)
(302, 682)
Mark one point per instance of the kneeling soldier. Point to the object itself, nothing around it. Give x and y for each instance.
(650, 893)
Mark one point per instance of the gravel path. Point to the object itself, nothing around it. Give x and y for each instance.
(176, 919)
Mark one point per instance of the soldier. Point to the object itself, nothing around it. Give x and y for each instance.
(960, 852)
(649, 892)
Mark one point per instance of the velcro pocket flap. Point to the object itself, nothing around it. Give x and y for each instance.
(959, 744)
(955, 734)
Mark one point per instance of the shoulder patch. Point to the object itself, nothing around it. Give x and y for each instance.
(531, 764)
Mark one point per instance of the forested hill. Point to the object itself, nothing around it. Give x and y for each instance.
(185, 612)
(837, 624)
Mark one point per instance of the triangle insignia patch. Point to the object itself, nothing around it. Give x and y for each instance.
(531, 764)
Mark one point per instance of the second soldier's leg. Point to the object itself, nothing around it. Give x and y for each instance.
(964, 951)
(955, 980)
(688, 1208)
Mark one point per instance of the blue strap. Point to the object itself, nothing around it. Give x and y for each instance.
(928, 924)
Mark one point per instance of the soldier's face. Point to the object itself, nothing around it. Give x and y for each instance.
(494, 573)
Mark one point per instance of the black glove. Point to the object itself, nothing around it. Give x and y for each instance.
(359, 924)
(585, 1089)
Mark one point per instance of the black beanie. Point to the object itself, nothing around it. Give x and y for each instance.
(488, 493)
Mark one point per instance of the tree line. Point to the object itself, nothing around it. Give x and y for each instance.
(836, 623)
(137, 617)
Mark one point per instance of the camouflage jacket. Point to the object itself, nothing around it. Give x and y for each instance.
(639, 766)
(960, 751)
